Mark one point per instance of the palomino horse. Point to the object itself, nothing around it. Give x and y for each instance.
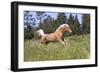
(58, 35)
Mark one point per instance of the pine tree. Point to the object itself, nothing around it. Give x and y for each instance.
(29, 22)
(70, 22)
(28, 32)
(61, 18)
(40, 16)
(29, 19)
(76, 26)
(47, 24)
(26, 18)
(86, 23)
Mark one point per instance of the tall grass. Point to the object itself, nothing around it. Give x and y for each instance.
(78, 47)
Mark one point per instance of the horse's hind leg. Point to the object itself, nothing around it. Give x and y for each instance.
(41, 44)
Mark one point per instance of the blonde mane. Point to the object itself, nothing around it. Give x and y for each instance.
(62, 26)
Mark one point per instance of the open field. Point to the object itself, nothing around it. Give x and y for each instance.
(78, 47)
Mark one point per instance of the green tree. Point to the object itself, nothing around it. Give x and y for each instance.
(86, 23)
(70, 22)
(29, 19)
(26, 18)
(61, 18)
(55, 24)
(76, 26)
(28, 32)
(48, 24)
(40, 16)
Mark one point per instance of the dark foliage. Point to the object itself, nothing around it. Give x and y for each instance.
(49, 24)
(28, 33)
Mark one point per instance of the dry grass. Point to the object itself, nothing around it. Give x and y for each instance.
(78, 48)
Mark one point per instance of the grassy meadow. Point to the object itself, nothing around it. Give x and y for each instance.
(78, 47)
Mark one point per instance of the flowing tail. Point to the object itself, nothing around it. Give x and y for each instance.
(39, 33)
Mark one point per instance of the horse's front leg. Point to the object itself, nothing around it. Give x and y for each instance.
(64, 44)
(65, 41)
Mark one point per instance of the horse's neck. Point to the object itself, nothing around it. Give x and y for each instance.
(60, 33)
